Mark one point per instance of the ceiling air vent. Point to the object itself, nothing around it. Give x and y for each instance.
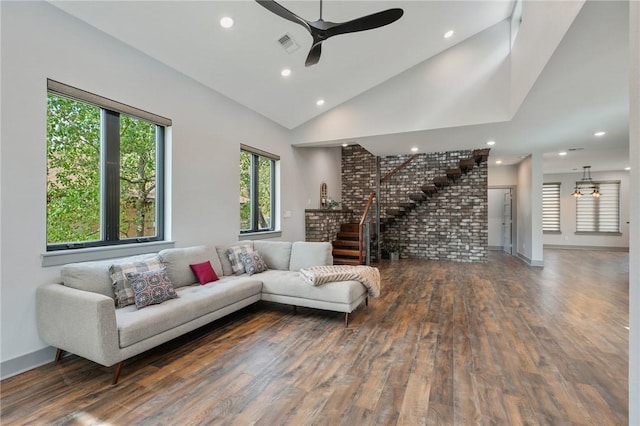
(575, 149)
(288, 43)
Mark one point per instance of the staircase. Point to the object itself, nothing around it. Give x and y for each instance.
(348, 246)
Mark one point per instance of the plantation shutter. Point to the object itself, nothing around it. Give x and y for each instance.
(599, 214)
(551, 207)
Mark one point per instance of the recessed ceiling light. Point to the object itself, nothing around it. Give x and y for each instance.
(345, 145)
(498, 161)
(286, 72)
(320, 102)
(599, 133)
(491, 143)
(562, 153)
(448, 34)
(414, 149)
(627, 168)
(226, 22)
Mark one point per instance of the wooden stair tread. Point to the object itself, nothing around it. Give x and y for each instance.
(441, 181)
(346, 243)
(347, 235)
(417, 197)
(346, 253)
(342, 261)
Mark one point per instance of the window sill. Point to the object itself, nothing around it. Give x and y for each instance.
(260, 235)
(603, 234)
(552, 232)
(63, 257)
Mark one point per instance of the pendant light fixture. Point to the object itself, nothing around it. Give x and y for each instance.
(586, 183)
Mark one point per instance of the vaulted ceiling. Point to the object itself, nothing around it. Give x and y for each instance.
(548, 89)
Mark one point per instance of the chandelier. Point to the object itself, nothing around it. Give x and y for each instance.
(586, 183)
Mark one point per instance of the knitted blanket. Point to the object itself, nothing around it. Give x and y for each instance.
(367, 275)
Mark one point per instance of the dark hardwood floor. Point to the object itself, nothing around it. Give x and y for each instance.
(447, 343)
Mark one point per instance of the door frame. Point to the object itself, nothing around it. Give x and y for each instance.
(514, 217)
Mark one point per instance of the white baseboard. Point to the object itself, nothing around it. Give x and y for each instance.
(604, 248)
(536, 263)
(15, 366)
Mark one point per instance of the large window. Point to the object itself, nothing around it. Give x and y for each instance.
(257, 190)
(104, 171)
(551, 207)
(599, 214)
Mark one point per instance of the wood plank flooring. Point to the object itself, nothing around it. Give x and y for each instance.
(446, 344)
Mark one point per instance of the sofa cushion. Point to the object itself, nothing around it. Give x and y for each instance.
(290, 283)
(204, 272)
(121, 286)
(306, 254)
(177, 261)
(237, 266)
(276, 254)
(94, 276)
(193, 302)
(224, 256)
(253, 262)
(151, 288)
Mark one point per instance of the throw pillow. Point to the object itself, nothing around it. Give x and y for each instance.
(234, 257)
(121, 287)
(253, 262)
(151, 287)
(204, 272)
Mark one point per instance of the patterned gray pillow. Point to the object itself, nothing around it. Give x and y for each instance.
(253, 262)
(121, 287)
(151, 287)
(234, 257)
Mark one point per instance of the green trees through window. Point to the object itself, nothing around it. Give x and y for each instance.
(257, 190)
(103, 179)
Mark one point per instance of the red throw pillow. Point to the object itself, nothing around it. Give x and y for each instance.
(204, 272)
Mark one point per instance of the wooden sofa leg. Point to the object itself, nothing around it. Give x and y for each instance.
(58, 355)
(116, 373)
(346, 320)
(366, 301)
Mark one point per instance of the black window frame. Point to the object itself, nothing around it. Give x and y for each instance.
(110, 112)
(256, 154)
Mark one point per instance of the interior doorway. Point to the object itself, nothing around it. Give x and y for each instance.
(501, 218)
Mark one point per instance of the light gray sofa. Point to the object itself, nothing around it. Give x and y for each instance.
(78, 314)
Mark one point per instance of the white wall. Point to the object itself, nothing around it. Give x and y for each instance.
(466, 84)
(502, 175)
(320, 165)
(40, 42)
(568, 212)
(529, 210)
(634, 237)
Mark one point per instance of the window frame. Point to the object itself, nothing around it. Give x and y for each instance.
(110, 113)
(556, 207)
(598, 209)
(274, 159)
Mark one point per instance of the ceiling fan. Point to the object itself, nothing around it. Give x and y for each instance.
(321, 30)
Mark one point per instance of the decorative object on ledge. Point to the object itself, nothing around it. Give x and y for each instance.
(333, 204)
(586, 183)
(323, 195)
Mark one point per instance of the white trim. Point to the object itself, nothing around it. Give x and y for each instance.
(63, 257)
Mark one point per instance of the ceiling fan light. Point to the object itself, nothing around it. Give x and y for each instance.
(448, 34)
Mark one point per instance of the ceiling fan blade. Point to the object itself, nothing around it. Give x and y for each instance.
(369, 22)
(314, 55)
(283, 12)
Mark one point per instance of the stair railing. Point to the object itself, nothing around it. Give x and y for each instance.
(363, 226)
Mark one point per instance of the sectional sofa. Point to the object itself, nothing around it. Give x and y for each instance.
(80, 314)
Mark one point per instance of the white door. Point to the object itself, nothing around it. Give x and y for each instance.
(507, 243)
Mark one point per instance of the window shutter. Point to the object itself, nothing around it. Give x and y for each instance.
(551, 207)
(599, 214)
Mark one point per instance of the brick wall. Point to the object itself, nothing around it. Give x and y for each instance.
(323, 225)
(451, 225)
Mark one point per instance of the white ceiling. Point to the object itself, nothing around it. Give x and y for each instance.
(583, 87)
